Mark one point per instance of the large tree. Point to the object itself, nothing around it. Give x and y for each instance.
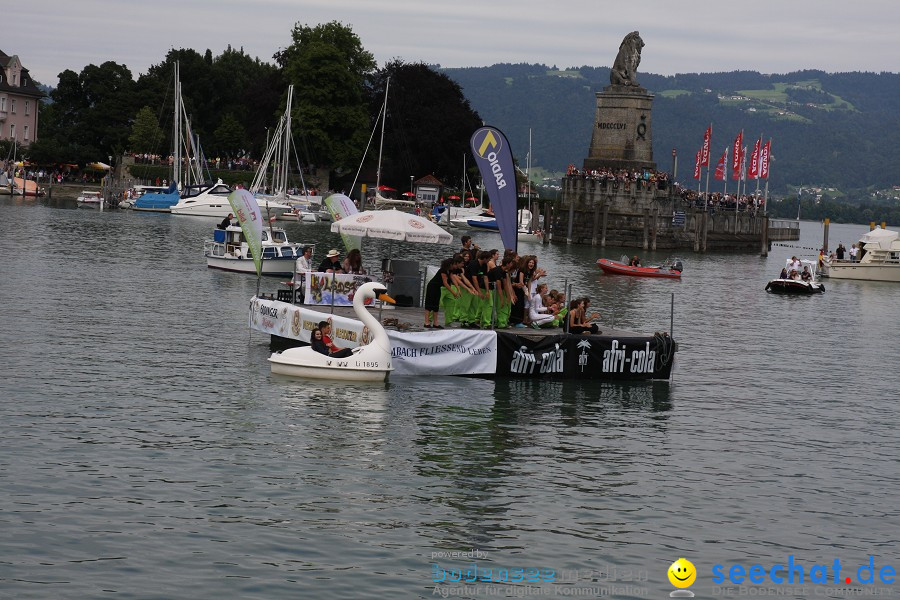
(90, 117)
(146, 135)
(229, 136)
(428, 126)
(328, 67)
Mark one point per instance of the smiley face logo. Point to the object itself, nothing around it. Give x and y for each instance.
(682, 573)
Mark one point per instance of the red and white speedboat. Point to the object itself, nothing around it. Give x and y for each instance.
(670, 269)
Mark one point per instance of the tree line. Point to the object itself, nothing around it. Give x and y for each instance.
(234, 102)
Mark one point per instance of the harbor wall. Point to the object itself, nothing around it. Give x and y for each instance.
(650, 217)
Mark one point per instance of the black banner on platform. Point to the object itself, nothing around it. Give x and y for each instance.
(585, 357)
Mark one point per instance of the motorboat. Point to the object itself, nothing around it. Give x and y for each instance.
(488, 221)
(155, 199)
(371, 362)
(670, 269)
(211, 200)
(793, 284)
(229, 251)
(879, 259)
(482, 221)
(300, 214)
(89, 199)
(30, 187)
(523, 235)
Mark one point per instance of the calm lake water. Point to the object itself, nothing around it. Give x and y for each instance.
(147, 452)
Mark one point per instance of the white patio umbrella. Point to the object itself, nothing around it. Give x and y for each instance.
(392, 225)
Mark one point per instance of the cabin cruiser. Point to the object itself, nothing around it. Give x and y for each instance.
(879, 259)
(229, 251)
(211, 200)
(155, 198)
(793, 283)
(90, 199)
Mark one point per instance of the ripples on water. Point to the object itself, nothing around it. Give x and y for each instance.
(146, 450)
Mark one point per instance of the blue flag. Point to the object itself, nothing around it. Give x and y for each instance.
(494, 157)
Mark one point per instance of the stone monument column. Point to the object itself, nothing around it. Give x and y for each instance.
(622, 137)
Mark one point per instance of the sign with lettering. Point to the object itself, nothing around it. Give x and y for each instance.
(453, 352)
(296, 322)
(584, 357)
(320, 288)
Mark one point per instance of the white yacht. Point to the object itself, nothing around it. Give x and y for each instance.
(212, 201)
(879, 259)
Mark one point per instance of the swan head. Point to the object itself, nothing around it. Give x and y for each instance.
(373, 289)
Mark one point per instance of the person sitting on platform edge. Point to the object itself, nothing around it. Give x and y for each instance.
(331, 263)
(333, 351)
(578, 324)
(226, 222)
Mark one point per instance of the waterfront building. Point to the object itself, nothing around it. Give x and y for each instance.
(19, 98)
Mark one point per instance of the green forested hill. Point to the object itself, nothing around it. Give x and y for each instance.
(839, 130)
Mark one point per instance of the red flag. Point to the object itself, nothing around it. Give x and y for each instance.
(720, 168)
(736, 156)
(704, 159)
(753, 173)
(697, 165)
(764, 160)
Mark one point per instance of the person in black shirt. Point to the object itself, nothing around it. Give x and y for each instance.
(317, 343)
(331, 263)
(226, 222)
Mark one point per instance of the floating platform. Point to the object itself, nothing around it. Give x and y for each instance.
(612, 354)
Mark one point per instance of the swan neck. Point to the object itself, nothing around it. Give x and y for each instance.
(378, 333)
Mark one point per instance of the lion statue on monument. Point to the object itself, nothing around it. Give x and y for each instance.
(624, 70)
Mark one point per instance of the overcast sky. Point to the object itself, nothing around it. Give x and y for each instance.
(681, 36)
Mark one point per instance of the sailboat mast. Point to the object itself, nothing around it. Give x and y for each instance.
(387, 86)
(286, 145)
(528, 176)
(176, 124)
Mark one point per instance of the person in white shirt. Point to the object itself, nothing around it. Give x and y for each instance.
(302, 267)
(539, 314)
(854, 251)
(304, 262)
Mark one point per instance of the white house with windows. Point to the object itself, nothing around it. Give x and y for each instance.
(19, 98)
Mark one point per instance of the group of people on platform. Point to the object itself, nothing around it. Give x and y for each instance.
(479, 289)
(645, 179)
(717, 201)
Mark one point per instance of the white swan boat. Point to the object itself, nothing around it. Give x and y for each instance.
(229, 251)
(371, 362)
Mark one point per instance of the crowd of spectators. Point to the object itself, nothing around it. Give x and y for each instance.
(55, 176)
(231, 164)
(718, 202)
(645, 179)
